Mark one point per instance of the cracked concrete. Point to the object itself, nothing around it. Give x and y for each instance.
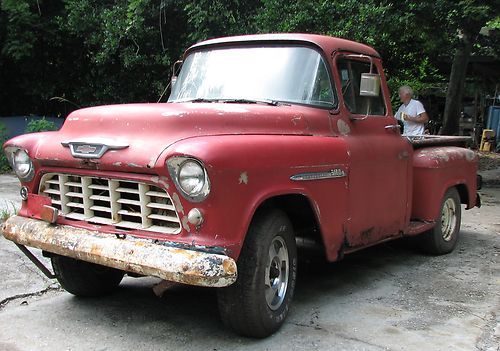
(26, 296)
(388, 297)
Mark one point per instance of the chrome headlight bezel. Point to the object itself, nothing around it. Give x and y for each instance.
(190, 177)
(21, 162)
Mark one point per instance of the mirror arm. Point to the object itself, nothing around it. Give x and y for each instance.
(364, 57)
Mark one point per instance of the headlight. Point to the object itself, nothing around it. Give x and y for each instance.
(20, 162)
(190, 177)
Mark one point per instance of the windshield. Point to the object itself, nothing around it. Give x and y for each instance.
(245, 74)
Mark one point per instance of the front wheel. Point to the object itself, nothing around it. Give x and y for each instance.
(442, 239)
(85, 279)
(258, 302)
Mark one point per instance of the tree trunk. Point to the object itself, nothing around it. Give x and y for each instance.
(453, 106)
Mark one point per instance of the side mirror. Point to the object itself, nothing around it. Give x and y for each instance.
(369, 85)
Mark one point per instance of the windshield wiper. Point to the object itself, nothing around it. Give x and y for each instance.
(250, 101)
(202, 100)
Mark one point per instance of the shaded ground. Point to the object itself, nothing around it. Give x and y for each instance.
(388, 297)
(488, 161)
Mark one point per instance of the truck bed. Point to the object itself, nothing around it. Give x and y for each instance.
(438, 140)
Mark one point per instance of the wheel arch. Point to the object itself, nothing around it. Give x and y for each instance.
(463, 192)
(302, 214)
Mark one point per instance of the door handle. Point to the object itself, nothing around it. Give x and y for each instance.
(393, 127)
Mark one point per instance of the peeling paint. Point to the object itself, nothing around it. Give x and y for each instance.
(118, 164)
(163, 181)
(243, 178)
(185, 224)
(343, 127)
(470, 155)
(446, 154)
(172, 114)
(177, 203)
(133, 165)
(231, 108)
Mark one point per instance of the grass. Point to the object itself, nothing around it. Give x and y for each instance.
(5, 213)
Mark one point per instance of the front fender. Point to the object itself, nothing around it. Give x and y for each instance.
(247, 170)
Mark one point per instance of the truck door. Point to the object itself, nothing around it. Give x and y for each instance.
(379, 174)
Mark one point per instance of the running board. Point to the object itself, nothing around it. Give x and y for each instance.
(418, 227)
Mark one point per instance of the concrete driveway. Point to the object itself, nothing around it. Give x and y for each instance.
(9, 193)
(389, 297)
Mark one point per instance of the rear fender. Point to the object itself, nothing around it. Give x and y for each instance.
(436, 169)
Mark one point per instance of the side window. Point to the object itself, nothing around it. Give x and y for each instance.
(350, 77)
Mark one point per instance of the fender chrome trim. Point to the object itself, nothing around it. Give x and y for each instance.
(331, 174)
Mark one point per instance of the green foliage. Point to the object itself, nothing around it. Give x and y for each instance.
(98, 52)
(40, 125)
(20, 40)
(4, 164)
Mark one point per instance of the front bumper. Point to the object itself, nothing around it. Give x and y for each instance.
(136, 256)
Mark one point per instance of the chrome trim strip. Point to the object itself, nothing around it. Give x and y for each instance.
(331, 174)
(92, 147)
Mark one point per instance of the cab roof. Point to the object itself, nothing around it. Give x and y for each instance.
(326, 43)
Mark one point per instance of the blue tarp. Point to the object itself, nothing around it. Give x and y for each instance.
(493, 122)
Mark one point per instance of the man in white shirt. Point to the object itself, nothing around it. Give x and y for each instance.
(411, 112)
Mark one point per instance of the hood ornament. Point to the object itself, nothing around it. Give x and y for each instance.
(92, 147)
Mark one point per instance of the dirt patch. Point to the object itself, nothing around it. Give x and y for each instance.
(488, 160)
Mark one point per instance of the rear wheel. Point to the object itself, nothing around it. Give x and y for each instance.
(258, 302)
(442, 239)
(82, 278)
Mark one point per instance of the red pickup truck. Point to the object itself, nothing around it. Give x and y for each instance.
(267, 143)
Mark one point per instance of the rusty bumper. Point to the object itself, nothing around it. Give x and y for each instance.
(137, 256)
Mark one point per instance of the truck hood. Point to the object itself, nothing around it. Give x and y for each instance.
(141, 132)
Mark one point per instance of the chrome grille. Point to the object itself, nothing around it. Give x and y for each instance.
(122, 203)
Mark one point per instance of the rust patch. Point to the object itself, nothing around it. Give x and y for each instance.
(229, 267)
(145, 258)
(367, 235)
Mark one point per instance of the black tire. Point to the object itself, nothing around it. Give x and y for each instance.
(244, 306)
(443, 238)
(85, 279)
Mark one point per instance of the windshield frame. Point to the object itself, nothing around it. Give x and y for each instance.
(264, 44)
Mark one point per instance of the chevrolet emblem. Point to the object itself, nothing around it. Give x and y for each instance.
(85, 149)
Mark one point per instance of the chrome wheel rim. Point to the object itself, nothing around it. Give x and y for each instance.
(448, 219)
(276, 275)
